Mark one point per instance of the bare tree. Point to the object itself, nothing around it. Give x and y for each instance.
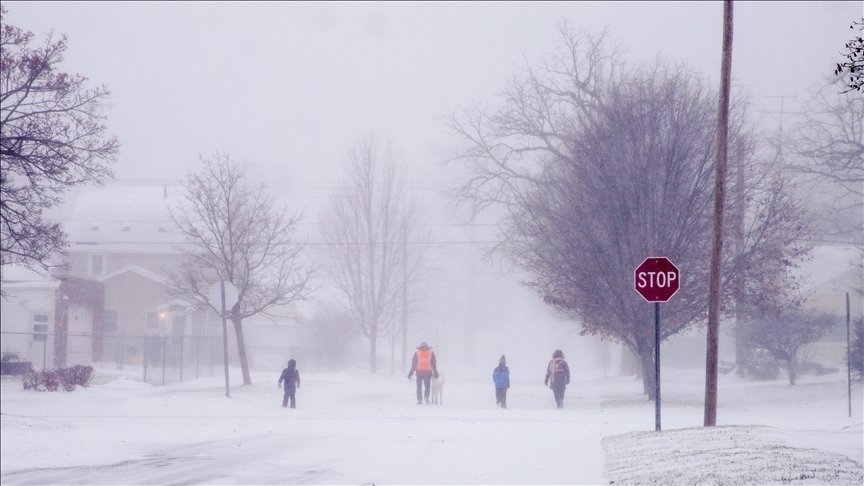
(238, 235)
(854, 63)
(598, 168)
(367, 227)
(828, 150)
(786, 331)
(52, 137)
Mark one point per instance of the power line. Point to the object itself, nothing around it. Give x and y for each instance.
(312, 243)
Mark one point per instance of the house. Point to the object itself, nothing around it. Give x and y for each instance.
(122, 240)
(834, 272)
(27, 315)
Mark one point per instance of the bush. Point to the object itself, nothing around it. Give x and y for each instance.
(43, 380)
(9, 356)
(761, 364)
(76, 375)
(52, 380)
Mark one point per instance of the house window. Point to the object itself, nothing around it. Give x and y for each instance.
(97, 265)
(40, 327)
(109, 321)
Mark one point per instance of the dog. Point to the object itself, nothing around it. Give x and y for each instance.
(438, 389)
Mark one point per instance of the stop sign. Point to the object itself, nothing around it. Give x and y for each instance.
(656, 279)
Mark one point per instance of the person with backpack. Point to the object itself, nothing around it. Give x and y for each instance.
(501, 378)
(558, 376)
(291, 377)
(426, 366)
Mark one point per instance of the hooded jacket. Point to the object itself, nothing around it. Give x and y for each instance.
(290, 376)
(501, 376)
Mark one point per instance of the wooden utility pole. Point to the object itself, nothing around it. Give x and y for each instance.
(719, 203)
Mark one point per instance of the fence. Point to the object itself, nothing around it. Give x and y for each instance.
(160, 359)
(153, 359)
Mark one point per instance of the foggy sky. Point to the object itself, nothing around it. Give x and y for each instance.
(288, 87)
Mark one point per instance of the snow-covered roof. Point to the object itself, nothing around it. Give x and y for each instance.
(120, 218)
(19, 277)
(828, 262)
(138, 270)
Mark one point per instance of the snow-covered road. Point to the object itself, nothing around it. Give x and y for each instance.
(353, 428)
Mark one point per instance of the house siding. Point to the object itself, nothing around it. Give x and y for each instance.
(16, 316)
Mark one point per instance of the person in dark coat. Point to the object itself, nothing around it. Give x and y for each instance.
(426, 366)
(501, 377)
(558, 376)
(291, 377)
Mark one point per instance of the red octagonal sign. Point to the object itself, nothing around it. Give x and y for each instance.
(656, 279)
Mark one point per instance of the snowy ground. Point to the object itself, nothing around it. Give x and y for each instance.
(353, 428)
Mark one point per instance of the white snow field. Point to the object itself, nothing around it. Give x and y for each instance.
(355, 428)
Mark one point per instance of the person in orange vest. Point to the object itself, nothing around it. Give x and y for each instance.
(426, 366)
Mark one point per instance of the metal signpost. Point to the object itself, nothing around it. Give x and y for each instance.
(225, 293)
(656, 279)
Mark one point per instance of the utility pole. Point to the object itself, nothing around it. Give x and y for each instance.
(848, 356)
(719, 202)
(782, 112)
(782, 106)
(404, 293)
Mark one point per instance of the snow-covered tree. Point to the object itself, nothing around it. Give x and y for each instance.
(599, 167)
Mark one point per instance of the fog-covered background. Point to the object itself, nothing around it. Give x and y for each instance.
(288, 88)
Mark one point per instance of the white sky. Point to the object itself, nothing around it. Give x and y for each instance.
(289, 86)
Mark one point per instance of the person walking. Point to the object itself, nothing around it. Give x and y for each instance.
(425, 364)
(501, 377)
(557, 376)
(291, 377)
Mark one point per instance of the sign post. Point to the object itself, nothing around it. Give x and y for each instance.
(656, 279)
(226, 294)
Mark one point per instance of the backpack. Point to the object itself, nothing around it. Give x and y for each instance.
(555, 367)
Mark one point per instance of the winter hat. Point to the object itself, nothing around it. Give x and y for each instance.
(502, 361)
(423, 345)
(558, 354)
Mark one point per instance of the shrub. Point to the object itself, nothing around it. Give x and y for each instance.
(52, 380)
(42, 380)
(76, 375)
(9, 356)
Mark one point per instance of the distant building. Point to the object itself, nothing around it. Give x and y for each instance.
(834, 272)
(122, 240)
(27, 315)
(122, 247)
